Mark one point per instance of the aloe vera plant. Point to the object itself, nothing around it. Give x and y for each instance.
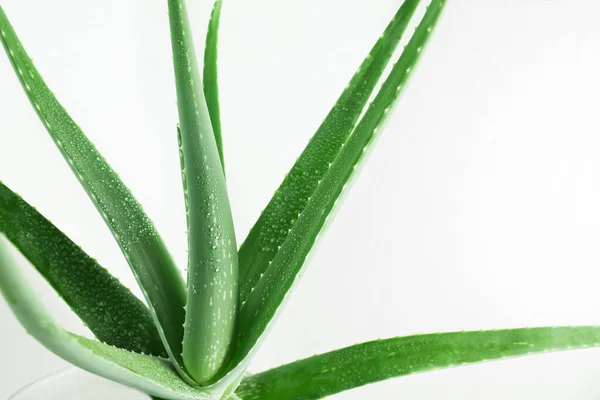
(194, 338)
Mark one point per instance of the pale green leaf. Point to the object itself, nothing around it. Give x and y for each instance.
(151, 375)
(211, 310)
(210, 75)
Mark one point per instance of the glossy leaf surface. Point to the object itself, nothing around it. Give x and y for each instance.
(108, 308)
(212, 286)
(289, 201)
(210, 75)
(148, 374)
(265, 300)
(323, 375)
(147, 255)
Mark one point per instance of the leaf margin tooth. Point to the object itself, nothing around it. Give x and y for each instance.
(379, 360)
(290, 199)
(265, 302)
(148, 257)
(78, 279)
(212, 284)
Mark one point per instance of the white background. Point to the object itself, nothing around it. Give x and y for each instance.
(478, 208)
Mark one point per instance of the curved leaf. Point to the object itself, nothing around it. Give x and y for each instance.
(210, 75)
(108, 308)
(143, 248)
(266, 299)
(323, 375)
(151, 375)
(211, 310)
(278, 218)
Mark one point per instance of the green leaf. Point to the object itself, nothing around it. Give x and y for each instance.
(211, 310)
(264, 302)
(276, 221)
(323, 375)
(108, 308)
(211, 82)
(151, 375)
(147, 255)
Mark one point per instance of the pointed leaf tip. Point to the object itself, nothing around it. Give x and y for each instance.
(157, 275)
(330, 373)
(212, 286)
(210, 76)
(290, 199)
(267, 296)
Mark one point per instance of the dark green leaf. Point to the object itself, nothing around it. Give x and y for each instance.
(323, 375)
(265, 300)
(147, 255)
(289, 201)
(108, 308)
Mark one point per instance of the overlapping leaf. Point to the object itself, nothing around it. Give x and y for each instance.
(212, 294)
(276, 221)
(323, 375)
(272, 256)
(109, 309)
(149, 259)
(151, 375)
(265, 300)
(210, 75)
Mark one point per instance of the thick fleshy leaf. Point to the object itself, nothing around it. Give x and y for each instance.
(148, 374)
(212, 291)
(290, 199)
(210, 75)
(267, 297)
(323, 375)
(147, 255)
(113, 314)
